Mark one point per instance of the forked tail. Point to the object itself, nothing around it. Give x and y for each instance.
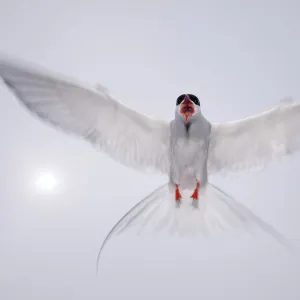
(216, 212)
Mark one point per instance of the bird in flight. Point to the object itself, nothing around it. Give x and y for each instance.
(188, 148)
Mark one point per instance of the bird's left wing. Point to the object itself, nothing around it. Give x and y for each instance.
(255, 141)
(126, 135)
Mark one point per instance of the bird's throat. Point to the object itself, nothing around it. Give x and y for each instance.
(187, 126)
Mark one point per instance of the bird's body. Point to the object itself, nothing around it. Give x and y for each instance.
(188, 152)
(188, 148)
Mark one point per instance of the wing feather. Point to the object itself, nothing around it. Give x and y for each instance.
(255, 141)
(128, 136)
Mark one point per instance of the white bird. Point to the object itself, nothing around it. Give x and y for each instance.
(188, 148)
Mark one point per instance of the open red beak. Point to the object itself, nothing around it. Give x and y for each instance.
(187, 108)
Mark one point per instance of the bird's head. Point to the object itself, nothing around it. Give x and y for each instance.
(187, 107)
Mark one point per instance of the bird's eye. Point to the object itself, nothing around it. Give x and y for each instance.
(180, 99)
(194, 99)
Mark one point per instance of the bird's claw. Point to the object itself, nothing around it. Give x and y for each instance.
(195, 195)
(177, 193)
(177, 196)
(196, 192)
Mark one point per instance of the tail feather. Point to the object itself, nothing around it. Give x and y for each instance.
(140, 215)
(249, 218)
(216, 213)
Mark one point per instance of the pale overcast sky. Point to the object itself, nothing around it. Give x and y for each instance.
(239, 57)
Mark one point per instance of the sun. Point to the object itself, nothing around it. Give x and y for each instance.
(46, 181)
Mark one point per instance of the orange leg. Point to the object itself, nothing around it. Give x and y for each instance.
(177, 193)
(195, 194)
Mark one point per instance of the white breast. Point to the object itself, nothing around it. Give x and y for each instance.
(187, 152)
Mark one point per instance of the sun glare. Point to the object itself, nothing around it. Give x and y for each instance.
(46, 181)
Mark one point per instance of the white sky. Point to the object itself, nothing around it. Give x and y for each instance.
(239, 57)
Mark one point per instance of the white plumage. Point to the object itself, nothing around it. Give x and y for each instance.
(256, 140)
(127, 136)
(188, 148)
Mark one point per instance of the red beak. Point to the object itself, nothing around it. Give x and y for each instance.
(187, 108)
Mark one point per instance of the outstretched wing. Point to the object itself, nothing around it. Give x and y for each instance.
(128, 136)
(255, 141)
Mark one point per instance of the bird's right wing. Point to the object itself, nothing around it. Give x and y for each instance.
(255, 141)
(126, 135)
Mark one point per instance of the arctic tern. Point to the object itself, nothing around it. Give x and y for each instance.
(188, 148)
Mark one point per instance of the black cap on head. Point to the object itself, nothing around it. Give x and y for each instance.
(192, 97)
